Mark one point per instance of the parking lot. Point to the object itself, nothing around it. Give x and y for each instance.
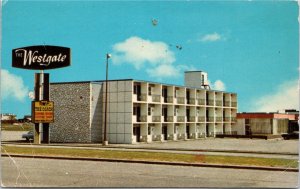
(217, 144)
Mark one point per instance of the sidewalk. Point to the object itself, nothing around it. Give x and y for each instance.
(157, 162)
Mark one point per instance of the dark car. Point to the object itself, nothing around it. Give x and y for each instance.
(28, 136)
(293, 135)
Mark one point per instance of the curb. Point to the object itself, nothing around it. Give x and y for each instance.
(168, 149)
(157, 162)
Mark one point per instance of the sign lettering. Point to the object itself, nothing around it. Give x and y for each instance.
(41, 57)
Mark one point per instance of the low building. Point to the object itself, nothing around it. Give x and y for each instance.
(265, 123)
(8, 118)
(140, 111)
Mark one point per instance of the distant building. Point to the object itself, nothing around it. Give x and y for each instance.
(8, 117)
(266, 123)
(141, 111)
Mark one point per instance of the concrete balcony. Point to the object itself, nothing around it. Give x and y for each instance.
(156, 118)
(233, 104)
(156, 98)
(170, 118)
(219, 119)
(191, 101)
(201, 118)
(210, 102)
(226, 119)
(180, 118)
(180, 100)
(143, 118)
(170, 99)
(191, 119)
(210, 119)
(201, 101)
(218, 102)
(226, 103)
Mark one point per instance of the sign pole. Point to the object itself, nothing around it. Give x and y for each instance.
(37, 136)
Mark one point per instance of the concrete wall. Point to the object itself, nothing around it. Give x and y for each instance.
(71, 112)
(239, 127)
(96, 117)
(120, 108)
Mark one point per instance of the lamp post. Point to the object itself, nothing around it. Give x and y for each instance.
(105, 141)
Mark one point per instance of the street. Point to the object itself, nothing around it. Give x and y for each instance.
(26, 172)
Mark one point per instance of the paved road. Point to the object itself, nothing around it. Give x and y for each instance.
(19, 172)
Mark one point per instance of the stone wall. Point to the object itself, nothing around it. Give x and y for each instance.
(71, 112)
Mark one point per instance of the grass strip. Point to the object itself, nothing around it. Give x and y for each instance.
(22, 127)
(152, 156)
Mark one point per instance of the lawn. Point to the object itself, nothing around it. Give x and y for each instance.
(152, 156)
(21, 127)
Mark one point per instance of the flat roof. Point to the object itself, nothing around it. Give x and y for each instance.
(152, 82)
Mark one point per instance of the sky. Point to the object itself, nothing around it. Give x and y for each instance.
(247, 47)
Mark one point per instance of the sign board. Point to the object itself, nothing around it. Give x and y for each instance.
(41, 57)
(42, 111)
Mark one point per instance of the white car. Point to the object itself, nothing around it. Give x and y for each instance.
(28, 136)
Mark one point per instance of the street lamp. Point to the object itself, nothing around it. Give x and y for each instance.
(105, 141)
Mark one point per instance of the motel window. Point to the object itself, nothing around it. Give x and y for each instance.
(149, 90)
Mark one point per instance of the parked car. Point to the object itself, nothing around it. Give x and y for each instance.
(293, 135)
(28, 136)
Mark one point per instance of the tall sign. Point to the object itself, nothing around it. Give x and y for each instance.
(41, 57)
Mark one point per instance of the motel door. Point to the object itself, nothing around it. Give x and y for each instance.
(165, 94)
(165, 113)
(188, 131)
(137, 132)
(165, 132)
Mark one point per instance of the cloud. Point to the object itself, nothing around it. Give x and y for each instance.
(211, 37)
(138, 52)
(217, 85)
(154, 56)
(12, 86)
(286, 96)
(168, 70)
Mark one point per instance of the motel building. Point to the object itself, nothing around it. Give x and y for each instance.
(141, 111)
(266, 123)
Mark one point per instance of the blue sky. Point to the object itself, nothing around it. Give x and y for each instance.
(250, 48)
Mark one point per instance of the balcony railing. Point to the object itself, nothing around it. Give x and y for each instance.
(201, 101)
(233, 119)
(201, 118)
(219, 119)
(191, 119)
(233, 104)
(170, 119)
(156, 118)
(226, 118)
(180, 100)
(141, 119)
(226, 103)
(191, 101)
(210, 102)
(142, 97)
(180, 118)
(210, 119)
(155, 98)
(170, 99)
(218, 102)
